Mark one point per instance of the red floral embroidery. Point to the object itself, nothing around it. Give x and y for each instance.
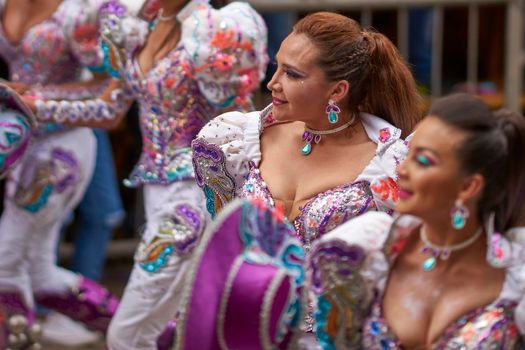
(386, 189)
(86, 33)
(384, 135)
(397, 246)
(223, 62)
(223, 39)
(227, 39)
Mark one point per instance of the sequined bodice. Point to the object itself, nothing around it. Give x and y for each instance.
(49, 52)
(172, 111)
(488, 327)
(44, 54)
(323, 212)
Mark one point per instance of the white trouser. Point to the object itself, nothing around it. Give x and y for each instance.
(48, 183)
(151, 299)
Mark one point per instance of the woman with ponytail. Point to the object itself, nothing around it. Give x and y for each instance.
(449, 272)
(327, 147)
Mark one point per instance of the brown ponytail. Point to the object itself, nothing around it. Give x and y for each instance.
(380, 81)
(392, 90)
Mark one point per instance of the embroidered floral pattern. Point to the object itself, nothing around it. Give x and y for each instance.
(58, 173)
(385, 135)
(53, 50)
(340, 291)
(177, 234)
(386, 188)
(323, 212)
(215, 64)
(212, 176)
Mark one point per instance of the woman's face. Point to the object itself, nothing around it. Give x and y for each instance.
(299, 87)
(430, 179)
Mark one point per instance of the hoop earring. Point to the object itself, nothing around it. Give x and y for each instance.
(333, 110)
(459, 215)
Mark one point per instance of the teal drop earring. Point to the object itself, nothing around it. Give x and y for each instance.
(333, 110)
(459, 215)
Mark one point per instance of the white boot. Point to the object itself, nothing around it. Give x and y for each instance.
(61, 330)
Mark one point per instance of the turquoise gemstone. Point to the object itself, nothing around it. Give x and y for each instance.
(332, 117)
(307, 148)
(429, 264)
(458, 221)
(12, 138)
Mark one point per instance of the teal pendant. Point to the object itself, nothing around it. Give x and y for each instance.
(429, 264)
(332, 117)
(307, 148)
(458, 221)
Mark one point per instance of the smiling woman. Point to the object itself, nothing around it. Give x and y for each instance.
(441, 282)
(327, 147)
(351, 153)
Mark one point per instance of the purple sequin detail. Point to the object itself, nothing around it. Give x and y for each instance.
(89, 303)
(112, 7)
(193, 220)
(321, 213)
(487, 327)
(206, 151)
(69, 160)
(347, 257)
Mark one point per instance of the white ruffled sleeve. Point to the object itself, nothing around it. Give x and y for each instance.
(226, 49)
(221, 155)
(514, 287)
(80, 25)
(381, 173)
(121, 34)
(345, 267)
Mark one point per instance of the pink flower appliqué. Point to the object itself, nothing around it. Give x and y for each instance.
(223, 62)
(384, 135)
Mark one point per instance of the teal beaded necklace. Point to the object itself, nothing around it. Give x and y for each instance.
(311, 135)
(442, 252)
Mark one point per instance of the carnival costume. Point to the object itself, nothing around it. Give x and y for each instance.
(218, 62)
(349, 270)
(49, 180)
(227, 155)
(245, 288)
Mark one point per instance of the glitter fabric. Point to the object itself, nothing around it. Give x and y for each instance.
(491, 326)
(321, 213)
(54, 175)
(234, 138)
(178, 234)
(335, 267)
(54, 50)
(216, 183)
(218, 62)
(488, 327)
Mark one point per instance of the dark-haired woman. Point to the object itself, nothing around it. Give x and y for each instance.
(449, 272)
